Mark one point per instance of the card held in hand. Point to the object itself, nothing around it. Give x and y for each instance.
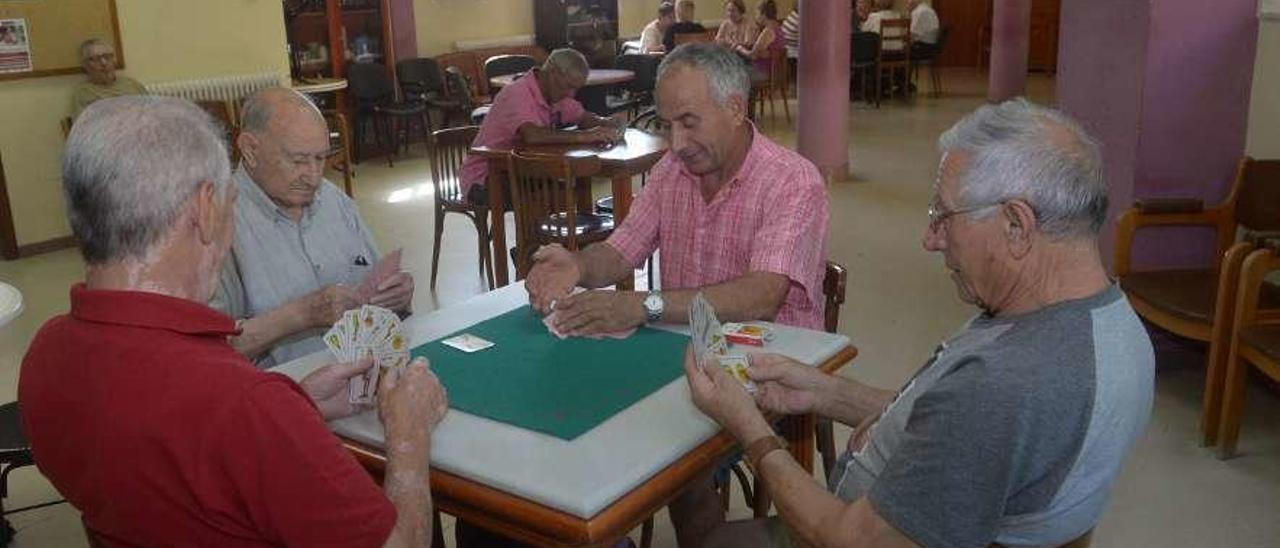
(368, 332)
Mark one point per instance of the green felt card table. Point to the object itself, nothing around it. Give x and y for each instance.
(559, 481)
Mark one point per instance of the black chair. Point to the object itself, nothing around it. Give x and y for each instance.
(928, 55)
(459, 94)
(864, 61)
(639, 91)
(500, 65)
(15, 452)
(374, 100)
(422, 80)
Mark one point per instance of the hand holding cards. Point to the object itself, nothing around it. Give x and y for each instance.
(368, 332)
(708, 338)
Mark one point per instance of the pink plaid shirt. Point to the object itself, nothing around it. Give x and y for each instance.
(516, 105)
(771, 217)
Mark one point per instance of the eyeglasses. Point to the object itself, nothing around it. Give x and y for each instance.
(938, 215)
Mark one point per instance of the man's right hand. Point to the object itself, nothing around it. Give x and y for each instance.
(787, 386)
(554, 274)
(323, 307)
(411, 403)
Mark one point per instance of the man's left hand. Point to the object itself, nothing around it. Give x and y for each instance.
(597, 311)
(720, 396)
(394, 293)
(328, 388)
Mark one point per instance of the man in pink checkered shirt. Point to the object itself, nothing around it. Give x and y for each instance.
(529, 112)
(736, 217)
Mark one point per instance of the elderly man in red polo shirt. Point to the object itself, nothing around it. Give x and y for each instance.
(532, 111)
(141, 413)
(734, 215)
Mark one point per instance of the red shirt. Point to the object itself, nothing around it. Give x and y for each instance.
(161, 434)
(770, 217)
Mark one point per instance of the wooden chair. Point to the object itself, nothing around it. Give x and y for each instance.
(935, 80)
(459, 99)
(450, 149)
(864, 64)
(1255, 340)
(1197, 303)
(682, 38)
(545, 191)
(373, 99)
(762, 90)
(895, 54)
(15, 452)
(340, 149)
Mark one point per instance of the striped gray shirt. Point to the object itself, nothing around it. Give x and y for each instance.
(275, 260)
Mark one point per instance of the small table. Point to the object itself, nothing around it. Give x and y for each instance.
(591, 94)
(638, 153)
(310, 86)
(10, 303)
(587, 491)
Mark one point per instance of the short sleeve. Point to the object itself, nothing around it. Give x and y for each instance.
(230, 297)
(794, 242)
(949, 481)
(297, 483)
(571, 110)
(638, 236)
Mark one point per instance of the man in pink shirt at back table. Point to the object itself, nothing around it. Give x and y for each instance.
(736, 217)
(531, 110)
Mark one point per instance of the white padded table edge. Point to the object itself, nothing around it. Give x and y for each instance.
(10, 303)
(579, 477)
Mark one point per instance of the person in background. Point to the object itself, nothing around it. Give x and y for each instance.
(684, 24)
(861, 10)
(532, 111)
(98, 60)
(651, 36)
(769, 42)
(924, 29)
(736, 29)
(144, 417)
(791, 34)
(883, 10)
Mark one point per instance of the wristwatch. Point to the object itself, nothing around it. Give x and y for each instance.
(653, 306)
(758, 449)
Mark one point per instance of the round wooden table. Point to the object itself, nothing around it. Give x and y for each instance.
(319, 85)
(10, 303)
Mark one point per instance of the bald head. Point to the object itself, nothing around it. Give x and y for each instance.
(280, 105)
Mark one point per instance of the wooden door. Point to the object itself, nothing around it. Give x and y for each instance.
(1043, 46)
(967, 19)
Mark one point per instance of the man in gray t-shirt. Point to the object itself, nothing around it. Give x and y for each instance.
(1013, 432)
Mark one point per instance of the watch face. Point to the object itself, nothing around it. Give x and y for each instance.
(652, 302)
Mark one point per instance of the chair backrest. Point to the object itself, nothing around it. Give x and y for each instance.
(944, 34)
(499, 65)
(1254, 274)
(1257, 194)
(543, 192)
(368, 82)
(682, 38)
(833, 288)
(451, 146)
(458, 88)
(645, 68)
(647, 120)
(865, 48)
(895, 37)
(420, 77)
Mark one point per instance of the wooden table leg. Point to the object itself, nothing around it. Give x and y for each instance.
(497, 220)
(798, 431)
(622, 206)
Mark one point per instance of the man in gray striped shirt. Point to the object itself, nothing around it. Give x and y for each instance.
(300, 246)
(1013, 432)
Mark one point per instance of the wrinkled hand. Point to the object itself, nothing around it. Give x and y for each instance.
(553, 276)
(394, 293)
(720, 396)
(328, 388)
(787, 386)
(323, 307)
(407, 403)
(596, 311)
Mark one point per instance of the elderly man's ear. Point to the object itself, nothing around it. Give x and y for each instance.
(1020, 225)
(208, 205)
(248, 144)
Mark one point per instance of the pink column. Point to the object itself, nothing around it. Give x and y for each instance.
(823, 82)
(1010, 32)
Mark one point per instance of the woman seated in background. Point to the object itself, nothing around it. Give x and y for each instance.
(736, 30)
(769, 41)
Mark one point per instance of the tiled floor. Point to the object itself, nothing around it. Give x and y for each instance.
(901, 303)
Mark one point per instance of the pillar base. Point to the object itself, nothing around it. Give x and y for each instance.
(835, 174)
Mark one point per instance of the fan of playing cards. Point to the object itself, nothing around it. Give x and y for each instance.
(368, 332)
(707, 336)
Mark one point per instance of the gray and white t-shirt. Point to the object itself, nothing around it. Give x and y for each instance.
(1014, 430)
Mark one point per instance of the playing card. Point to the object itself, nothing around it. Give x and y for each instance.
(704, 329)
(467, 342)
(738, 366)
(368, 332)
(550, 321)
(386, 267)
(363, 387)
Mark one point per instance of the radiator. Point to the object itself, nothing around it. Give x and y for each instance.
(218, 88)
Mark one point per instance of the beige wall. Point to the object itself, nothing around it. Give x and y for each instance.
(163, 40)
(1264, 106)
